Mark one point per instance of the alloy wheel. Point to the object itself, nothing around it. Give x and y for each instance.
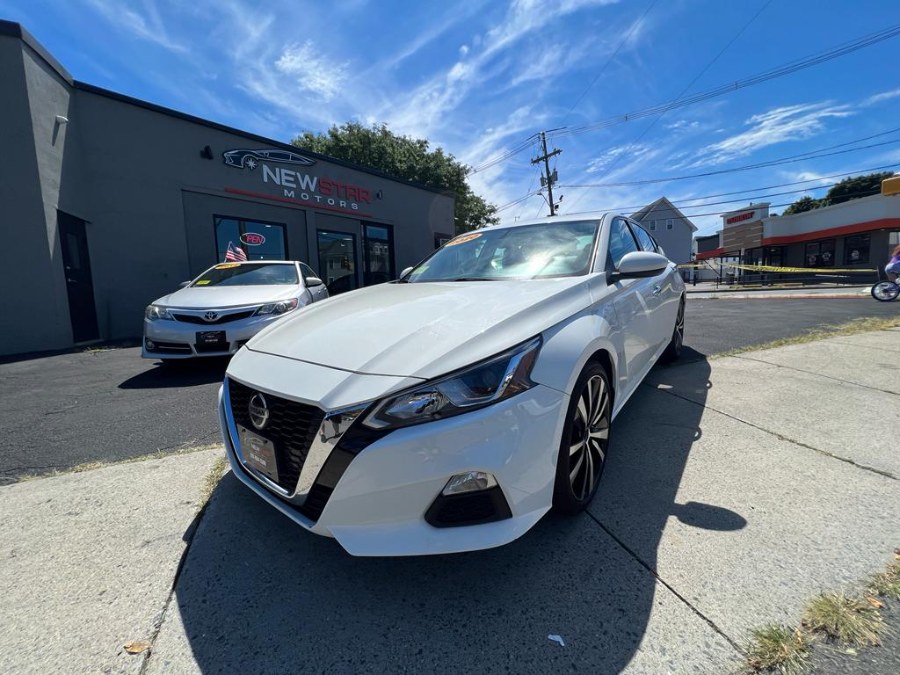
(589, 439)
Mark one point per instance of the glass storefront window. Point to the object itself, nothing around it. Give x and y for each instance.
(378, 250)
(856, 249)
(337, 261)
(820, 253)
(259, 240)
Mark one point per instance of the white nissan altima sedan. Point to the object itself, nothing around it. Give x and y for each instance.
(448, 411)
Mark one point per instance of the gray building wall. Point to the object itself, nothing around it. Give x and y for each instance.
(30, 174)
(135, 173)
(675, 242)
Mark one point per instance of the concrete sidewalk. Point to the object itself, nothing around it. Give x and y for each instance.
(737, 489)
(707, 290)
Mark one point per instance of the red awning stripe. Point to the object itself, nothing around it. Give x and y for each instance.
(843, 230)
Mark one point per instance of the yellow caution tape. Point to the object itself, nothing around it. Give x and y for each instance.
(791, 270)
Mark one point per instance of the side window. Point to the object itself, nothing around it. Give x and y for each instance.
(307, 271)
(644, 239)
(620, 243)
(652, 225)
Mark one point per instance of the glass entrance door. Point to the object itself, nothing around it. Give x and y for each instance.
(337, 261)
(378, 252)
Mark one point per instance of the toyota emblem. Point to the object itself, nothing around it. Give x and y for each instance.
(211, 316)
(259, 410)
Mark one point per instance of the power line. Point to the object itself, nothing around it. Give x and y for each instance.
(683, 203)
(780, 71)
(815, 154)
(712, 213)
(788, 68)
(611, 58)
(618, 158)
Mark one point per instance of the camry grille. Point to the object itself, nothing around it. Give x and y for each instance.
(291, 427)
(224, 318)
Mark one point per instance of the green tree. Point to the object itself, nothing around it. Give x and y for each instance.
(854, 187)
(801, 205)
(406, 158)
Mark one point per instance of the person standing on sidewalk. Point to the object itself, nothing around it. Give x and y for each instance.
(893, 266)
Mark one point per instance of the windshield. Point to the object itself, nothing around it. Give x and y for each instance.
(558, 249)
(236, 274)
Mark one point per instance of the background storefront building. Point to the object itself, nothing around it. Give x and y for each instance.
(111, 202)
(854, 235)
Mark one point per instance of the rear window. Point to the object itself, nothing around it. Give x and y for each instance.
(238, 274)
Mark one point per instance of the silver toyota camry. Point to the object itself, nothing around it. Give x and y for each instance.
(216, 313)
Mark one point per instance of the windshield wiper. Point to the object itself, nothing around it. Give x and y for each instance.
(473, 279)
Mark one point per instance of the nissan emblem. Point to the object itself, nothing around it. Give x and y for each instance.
(259, 410)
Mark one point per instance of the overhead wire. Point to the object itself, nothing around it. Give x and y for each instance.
(788, 68)
(618, 158)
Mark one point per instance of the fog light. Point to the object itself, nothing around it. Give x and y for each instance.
(471, 481)
(150, 344)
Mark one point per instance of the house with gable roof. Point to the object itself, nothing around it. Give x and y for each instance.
(670, 227)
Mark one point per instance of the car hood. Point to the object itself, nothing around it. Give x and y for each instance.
(204, 297)
(422, 329)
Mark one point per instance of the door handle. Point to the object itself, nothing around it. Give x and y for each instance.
(657, 289)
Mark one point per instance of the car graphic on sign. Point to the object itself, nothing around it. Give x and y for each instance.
(250, 159)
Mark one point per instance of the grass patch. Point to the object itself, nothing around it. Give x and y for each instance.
(92, 466)
(212, 480)
(778, 649)
(887, 583)
(855, 327)
(845, 619)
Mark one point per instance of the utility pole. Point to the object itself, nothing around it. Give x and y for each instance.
(547, 179)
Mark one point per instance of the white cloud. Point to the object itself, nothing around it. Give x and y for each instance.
(312, 71)
(787, 123)
(879, 98)
(463, 50)
(147, 26)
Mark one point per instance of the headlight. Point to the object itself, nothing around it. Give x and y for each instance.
(477, 386)
(154, 312)
(278, 307)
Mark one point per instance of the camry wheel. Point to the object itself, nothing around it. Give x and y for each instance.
(585, 439)
(673, 349)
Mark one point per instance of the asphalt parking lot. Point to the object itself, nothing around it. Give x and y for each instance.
(62, 411)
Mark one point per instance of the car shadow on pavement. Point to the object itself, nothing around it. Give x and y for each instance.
(175, 374)
(259, 594)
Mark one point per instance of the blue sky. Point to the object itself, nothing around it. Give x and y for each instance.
(480, 78)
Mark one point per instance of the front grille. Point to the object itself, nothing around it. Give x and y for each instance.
(292, 428)
(225, 318)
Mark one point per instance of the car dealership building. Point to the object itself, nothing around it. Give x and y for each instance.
(108, 202)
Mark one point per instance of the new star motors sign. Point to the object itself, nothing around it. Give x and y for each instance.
(284, 171)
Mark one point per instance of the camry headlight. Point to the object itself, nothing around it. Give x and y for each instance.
(154, 312)
(487, 382)
(278, 307)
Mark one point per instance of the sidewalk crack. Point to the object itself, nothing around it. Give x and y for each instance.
(712, 624)
(817, 374)
(161, 617)
(781, 437)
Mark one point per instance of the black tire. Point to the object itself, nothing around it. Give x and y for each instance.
(885, 291)
(676, 344)
(583, 446)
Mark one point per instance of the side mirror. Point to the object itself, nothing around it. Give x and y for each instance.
(639, 264)
(405, 272)
(313, 281)
(184, 284)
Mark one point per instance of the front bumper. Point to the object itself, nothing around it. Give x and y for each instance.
(174, 339)
(378, 506)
